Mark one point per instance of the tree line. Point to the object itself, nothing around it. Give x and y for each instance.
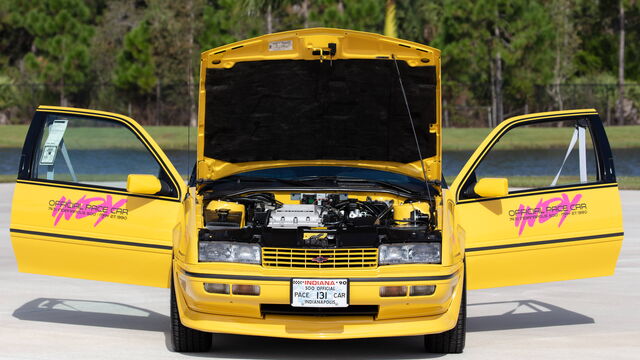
(500, 57)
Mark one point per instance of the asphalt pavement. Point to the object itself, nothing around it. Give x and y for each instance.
(44, 317)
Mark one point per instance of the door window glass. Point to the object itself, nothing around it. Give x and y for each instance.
(541, 155)
(94, 152)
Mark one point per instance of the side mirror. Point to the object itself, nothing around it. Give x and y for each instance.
(143, 184)
(492, 187)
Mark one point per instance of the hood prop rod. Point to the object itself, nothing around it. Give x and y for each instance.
(415, 135)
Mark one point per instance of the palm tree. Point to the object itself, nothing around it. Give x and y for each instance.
(390, 26)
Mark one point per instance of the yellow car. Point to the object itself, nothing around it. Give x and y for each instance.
(317, 208)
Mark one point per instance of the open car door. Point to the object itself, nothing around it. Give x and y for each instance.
(78, 212)
(527, 213)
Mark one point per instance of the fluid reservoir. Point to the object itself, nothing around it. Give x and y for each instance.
(224, 213)
(408, 212)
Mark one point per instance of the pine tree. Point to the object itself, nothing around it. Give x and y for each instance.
(224, 22)
(505, 44)
(62, 32)
(135, 66)
(114, 23)
(565, 45)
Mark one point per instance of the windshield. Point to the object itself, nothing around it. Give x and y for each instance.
(340, 172)
(319, 176)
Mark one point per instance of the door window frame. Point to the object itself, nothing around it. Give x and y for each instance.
(605, 172)
(34, 138)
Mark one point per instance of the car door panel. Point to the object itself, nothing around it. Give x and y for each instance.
(89, 231)
(541, 234)
(523, 249)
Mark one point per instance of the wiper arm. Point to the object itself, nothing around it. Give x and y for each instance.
(376, 182)
(339, 179)
(308, 181)
(239, 179)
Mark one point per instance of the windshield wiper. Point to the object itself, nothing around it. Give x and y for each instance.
(243, 179)
(240, 179)
(316, 181)
(337, 180)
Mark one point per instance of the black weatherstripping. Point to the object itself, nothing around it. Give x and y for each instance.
(89, 239)
(546, 190)
(544, 242)
(94, 188)
(31, 141)
(308, 110)
(288, 278)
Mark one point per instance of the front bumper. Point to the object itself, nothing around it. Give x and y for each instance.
(396, 316)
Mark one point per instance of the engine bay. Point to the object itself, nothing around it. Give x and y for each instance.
(317, 219)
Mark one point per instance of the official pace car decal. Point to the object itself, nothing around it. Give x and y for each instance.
(100, 207)
(554, 208)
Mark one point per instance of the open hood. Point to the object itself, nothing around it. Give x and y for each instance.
(319, 97)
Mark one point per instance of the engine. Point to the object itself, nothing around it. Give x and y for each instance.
(316, 220)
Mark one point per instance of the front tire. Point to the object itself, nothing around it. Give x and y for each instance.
(452, 341)
(184, 339)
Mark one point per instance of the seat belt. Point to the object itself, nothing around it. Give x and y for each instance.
(65, 155)
(67, 160)
(579, 137)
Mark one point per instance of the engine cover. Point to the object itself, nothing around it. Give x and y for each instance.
(294, 215)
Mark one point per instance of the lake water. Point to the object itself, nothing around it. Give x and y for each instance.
(10, 159)
(537, 162)
(627, 161)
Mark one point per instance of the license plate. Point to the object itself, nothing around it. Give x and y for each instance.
(319, 293)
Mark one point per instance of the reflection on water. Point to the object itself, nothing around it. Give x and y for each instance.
(9, 161)
(539, 162)
(627, 161)
(109, 160)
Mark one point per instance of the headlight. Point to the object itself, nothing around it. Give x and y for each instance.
(229, 252)
(417, 253)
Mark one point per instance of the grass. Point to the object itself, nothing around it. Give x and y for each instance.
(629, 182)
(168, 137)
(540, 181)
(466, 139)
(624, 182)
(620, 137)
(12, 136)
(86, 178)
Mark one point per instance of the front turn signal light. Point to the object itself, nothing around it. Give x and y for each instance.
(422, 290)
(392, 291)
(253, 290)
(215, 288)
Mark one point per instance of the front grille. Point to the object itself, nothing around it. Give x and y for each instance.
(320, 258)
(351, 310)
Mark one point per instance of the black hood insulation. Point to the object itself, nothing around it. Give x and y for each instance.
(312, 110)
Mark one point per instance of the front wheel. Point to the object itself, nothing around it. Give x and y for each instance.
(452, 341)
(184, 339)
